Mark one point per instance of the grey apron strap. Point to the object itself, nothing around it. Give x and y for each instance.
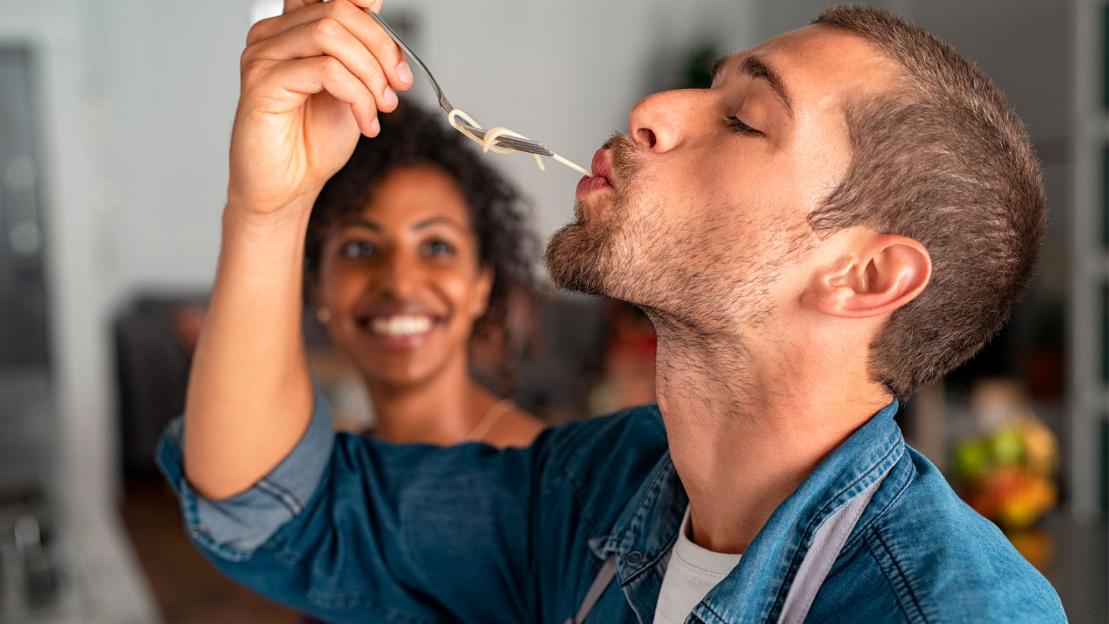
(604, 577)
(826, 544)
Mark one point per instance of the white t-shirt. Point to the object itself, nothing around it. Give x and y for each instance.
(691, 573)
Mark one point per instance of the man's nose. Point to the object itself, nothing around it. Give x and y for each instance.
(660, 122)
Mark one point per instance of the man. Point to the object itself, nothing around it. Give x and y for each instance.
(847, 214)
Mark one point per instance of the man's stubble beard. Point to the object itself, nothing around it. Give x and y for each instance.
(583, 256)
(627, 250)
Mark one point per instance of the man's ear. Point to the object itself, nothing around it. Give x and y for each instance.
(484, 288)
(882, 274)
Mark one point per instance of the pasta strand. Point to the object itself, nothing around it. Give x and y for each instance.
(489, 144)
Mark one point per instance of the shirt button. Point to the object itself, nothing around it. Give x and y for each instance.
(633, 558)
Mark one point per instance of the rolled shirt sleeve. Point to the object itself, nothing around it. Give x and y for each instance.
(354, 529)
(235, 527)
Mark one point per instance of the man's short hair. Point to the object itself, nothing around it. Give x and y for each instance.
(944, 159)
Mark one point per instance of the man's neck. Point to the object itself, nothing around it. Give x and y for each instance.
(747, 425)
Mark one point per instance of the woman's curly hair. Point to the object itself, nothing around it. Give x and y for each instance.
(412, 137)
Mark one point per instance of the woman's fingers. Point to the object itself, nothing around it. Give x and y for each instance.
(293, 5)
(327, 37)
(308, 76)
(352, 15)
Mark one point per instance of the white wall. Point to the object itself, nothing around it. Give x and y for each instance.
(134, 101)
(168, 75)
(55, 32)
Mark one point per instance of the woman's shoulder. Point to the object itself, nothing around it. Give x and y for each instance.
(516, 428)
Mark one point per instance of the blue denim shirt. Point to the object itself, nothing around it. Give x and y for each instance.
(358, 530)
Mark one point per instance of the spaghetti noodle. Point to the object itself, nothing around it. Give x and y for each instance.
(489, 143)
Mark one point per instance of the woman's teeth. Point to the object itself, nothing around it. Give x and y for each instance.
(400, 325)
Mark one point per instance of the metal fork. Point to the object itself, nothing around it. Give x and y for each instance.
(521, 145)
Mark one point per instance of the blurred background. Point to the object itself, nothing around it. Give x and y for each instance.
(114, 125)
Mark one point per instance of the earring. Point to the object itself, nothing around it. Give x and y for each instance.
(323, 315)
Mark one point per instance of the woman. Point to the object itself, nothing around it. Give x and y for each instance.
(414, 250)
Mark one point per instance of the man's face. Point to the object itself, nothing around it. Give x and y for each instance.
(704, 215)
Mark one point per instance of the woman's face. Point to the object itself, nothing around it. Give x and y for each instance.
(402, 281)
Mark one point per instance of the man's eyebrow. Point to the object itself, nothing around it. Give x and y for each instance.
(717, 66)
(755, 67)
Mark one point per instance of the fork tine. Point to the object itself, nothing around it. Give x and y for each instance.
(528, 146)
(523, 145)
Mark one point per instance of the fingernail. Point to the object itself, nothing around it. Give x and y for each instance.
(404, 72)
(389, 98)
(375, 126)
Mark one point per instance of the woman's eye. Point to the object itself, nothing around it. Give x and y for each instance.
(357, 249)
(438, 249)
(738, 126)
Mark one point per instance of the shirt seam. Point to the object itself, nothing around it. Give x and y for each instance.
(881, 552)
(853, 541)
(634, 529)
(200, 531)
(281, 494)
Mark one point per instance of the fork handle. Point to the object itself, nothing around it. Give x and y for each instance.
(444, 103)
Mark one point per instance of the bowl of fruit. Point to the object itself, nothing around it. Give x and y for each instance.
(1006, 471)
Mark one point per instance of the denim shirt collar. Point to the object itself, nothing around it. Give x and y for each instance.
(648, 527)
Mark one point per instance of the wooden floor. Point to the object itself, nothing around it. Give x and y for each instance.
(186, 587)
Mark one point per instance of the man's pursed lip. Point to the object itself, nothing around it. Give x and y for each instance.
(602, 175)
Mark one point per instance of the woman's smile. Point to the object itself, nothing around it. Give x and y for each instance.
(399, 330)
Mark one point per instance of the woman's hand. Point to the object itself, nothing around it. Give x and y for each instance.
(312, 78)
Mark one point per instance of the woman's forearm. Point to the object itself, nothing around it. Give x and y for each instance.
(249, 396)
(312, 80)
